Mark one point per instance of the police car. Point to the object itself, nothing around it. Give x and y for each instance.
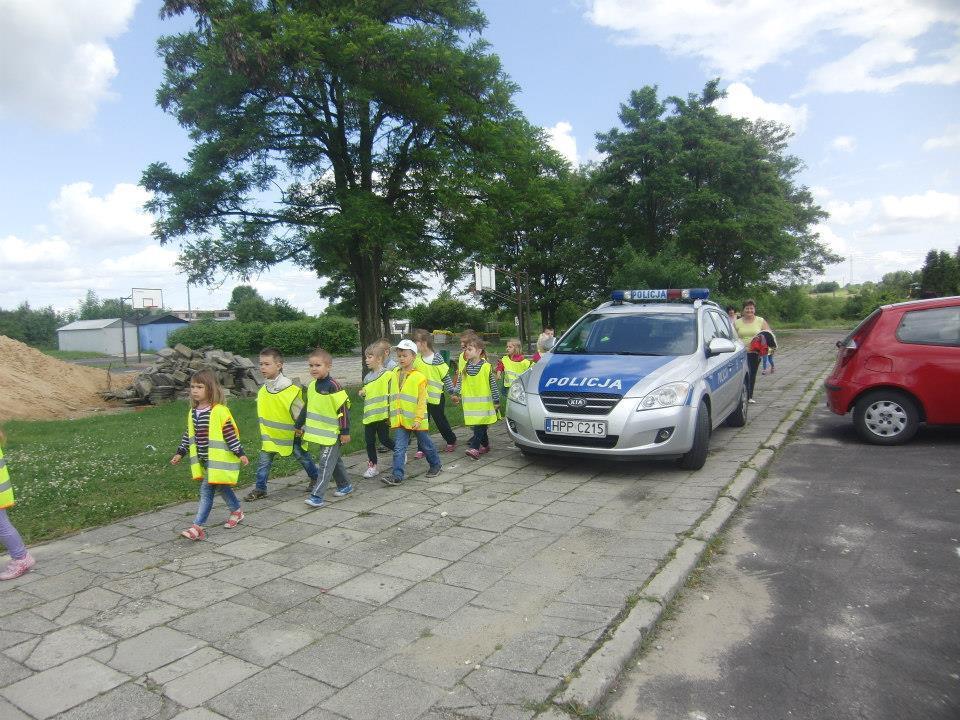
(651, 373)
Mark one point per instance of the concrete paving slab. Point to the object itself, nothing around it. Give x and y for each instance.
(383, 694)
(336, 660)
(411, 566)
(372, 587)
(433, 599)
(136, 616)
(269, 641)
(390, 628)
(151, 650)
(61, 645)
(276, 693)
(52, 691)
(129, 702)
(207, 681)
(218, 621)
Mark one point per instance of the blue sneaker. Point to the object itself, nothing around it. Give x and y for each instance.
(343, 492)
(315, 502)
(391, 479)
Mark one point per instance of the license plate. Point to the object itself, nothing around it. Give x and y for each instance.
(566, 426)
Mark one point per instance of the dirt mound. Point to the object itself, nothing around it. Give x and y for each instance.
(34, 386)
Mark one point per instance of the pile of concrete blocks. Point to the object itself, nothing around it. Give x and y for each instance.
(169, 377)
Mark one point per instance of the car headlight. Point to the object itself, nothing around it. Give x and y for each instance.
(516, 393)
(669, 395)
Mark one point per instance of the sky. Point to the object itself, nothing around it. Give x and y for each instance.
(870, 89)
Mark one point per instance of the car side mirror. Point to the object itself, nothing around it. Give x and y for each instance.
(718, 346)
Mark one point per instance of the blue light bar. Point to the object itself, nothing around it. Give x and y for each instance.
(661, 294)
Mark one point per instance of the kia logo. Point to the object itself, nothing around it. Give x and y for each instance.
(577, 402)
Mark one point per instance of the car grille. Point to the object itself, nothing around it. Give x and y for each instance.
(597, 403)
(588, 442)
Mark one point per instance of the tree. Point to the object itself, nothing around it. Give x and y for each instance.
(324, 134)
(722, 189)
(249, 305)
(36, 327)
(829, 286)
(530, 220)
(93, 308)
(940, 274)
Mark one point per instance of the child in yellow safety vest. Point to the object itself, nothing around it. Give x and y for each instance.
(437, 372)
(20, 560)
(408, 414)
(480, 395)
(465, 336)
(212, 441)
(376, 390)
(325, 424)
(513, 364)
(279, 403)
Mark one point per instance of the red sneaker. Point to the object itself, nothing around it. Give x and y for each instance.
(484, 450)
(475, 454)
(451, 447)
(419, 455)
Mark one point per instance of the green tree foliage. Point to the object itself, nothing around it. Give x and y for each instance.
(668, 268)
(93, 307)
(940, 274)
(446, 313)
(530, 221)
(37, 327)
(249, 306)
(826, 287)
(329, 134)
(722, 189)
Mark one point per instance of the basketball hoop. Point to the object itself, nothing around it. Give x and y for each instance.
(146, 298)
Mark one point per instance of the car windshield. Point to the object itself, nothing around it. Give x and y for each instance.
(632, 334)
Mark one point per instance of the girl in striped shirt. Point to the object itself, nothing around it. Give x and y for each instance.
(217, 474)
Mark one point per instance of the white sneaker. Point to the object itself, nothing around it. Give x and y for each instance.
(371, 470)
(751, 401)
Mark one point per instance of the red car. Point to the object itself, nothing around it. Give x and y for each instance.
(900, 367)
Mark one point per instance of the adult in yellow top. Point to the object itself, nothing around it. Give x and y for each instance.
(748, 326)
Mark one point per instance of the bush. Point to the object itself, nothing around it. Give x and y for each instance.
(337, 335)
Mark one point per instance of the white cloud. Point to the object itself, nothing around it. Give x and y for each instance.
(847, 213)
(950, 139)
(831, 239)
(15, 251)
(116, 218)
(55, 64)
(562, 140)
(153, 260)
(741, 102)
(737, 38)
(915, 213)
(844, 143)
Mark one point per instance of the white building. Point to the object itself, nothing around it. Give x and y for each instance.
(102, 336)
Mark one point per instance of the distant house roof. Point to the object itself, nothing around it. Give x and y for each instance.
(167, 319)
(90, 324)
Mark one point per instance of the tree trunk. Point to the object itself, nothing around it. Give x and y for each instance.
(365, 269)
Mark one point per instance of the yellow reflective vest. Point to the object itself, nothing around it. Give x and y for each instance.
(376, 398)
(476, 397)
(408, 403)
(512, 369)
(323, 415)
(277, 421)
(435, 375)
(223, 467)
(6, 488)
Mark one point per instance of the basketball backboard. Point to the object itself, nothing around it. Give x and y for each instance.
(484, 277)
(146, 298)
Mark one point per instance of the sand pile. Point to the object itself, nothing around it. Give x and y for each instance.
(34, 386)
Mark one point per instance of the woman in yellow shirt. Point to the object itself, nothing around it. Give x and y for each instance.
(748, 326)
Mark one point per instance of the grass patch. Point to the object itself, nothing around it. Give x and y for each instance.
(72, 354)
(74, 474)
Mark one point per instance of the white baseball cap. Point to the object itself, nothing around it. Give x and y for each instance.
(407, 345)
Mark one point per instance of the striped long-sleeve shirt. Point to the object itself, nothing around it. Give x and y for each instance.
(201, 426)
(472, 369)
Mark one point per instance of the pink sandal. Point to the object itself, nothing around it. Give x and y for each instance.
(194, 532)
(235, 517)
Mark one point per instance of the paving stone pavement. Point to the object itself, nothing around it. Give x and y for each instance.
(469, 595)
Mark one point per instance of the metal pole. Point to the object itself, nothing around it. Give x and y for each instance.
(123, 333)
(189, 312)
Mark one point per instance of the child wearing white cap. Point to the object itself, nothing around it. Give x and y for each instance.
(408, 414)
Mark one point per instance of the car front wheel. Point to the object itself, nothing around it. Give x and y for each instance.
(696, 457)
(886, 417)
